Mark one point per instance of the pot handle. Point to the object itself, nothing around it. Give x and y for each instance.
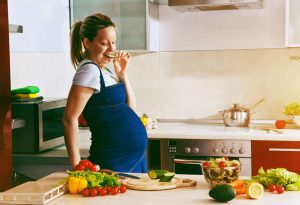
(257, 103)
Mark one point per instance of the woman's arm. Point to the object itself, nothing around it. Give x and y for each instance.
(121, 64)
(76, 102)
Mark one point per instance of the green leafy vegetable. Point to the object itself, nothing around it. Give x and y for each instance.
(292, 109)
(278, 176)
(97, 179)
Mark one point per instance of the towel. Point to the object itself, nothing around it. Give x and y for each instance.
(25, 90)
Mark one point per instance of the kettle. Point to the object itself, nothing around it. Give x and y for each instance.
(236, 116)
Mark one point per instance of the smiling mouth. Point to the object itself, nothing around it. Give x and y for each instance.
(110, 55)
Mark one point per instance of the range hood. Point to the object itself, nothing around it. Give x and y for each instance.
(210, 5)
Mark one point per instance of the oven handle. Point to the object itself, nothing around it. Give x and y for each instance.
(283, 150)
(187, 161)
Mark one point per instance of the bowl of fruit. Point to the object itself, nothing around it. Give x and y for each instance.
(220, 170)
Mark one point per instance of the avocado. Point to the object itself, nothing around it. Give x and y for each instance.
(222, 192)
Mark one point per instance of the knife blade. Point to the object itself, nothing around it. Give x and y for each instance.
(124, 176)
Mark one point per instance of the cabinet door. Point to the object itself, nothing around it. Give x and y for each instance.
(128, 15)
(292, 23)
(275, 154)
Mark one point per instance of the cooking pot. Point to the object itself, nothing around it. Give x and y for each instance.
(236, 116)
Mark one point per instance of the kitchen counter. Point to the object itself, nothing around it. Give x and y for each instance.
(219, 131)
(189, 195)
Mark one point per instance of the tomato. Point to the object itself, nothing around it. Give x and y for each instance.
(79, 167)
(85, 162)
(206, 164)
(280, 189)
(222, 164)
(123, 188)
(114, 190)
(93, 192)
(102, 192)
(280, 124)
(272, 187)
(92, 167)
(108, 188)
(85, 193)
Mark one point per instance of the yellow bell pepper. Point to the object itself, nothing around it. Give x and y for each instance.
(77, 184)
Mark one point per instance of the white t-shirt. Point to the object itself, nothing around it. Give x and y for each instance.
(88, 75)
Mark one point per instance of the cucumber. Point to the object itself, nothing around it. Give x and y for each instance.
(167, 177)
(157, 174)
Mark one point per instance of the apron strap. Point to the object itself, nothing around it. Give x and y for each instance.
(102, 83)
(137, 163)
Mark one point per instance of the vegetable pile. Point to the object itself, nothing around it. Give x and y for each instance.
(290, 181)
(87, 181)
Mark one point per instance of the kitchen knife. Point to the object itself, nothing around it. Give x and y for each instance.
(124, 176)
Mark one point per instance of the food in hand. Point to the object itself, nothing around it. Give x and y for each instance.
(85, 165)
(221, 170)
(110, 54)
(280, 124)
(254, 190)
(222, 192)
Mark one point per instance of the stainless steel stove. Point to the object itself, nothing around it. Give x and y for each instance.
(184, 156)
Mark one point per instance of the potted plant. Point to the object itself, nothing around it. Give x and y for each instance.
(294, 110)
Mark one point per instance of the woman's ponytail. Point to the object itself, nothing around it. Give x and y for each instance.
(77, 53)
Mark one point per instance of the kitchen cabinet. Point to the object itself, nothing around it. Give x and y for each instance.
(136, 21)
(275, 154)
(292, 24)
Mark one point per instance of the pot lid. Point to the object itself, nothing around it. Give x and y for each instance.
(237, 108)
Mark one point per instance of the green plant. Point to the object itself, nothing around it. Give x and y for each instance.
(292, 109)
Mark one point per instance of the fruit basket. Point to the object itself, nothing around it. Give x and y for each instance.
(221, 171)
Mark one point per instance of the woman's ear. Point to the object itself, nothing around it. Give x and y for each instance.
(86, 43)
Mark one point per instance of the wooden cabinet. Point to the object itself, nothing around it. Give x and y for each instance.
(292, 23)
(136, 20)
(275, 154)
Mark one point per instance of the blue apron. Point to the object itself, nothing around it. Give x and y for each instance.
(119, 139)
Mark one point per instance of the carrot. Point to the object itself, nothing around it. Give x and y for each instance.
(240, 190)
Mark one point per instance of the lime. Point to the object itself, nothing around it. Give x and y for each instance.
(254, 190)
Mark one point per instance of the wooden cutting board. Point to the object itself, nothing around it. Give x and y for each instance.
(148, 184)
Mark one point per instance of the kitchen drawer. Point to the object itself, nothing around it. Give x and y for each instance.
(275, 154)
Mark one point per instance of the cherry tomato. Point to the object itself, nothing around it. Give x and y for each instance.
(272, 187)
(226, 158)
(280, 124)
(222, 164)
(114, 190)
(123, 188)
(79, 167)
(85, 162)
(108, 188)
(280, 189)
(85, 193)
(92, 168)
(93, 192)
(102, 192)
(206, 164)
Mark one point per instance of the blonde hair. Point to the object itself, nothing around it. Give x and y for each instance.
(87, 28)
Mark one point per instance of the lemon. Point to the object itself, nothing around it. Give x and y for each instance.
(254, 190)
(144, 120)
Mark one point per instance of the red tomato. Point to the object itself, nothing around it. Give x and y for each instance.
(85, 193)
(79, 167)
(114, 190)
(92, 168)
(85, 162)
(93, 192)
(280, 189)
(108, 188)
(123, 188)
(272, 187)
(206, 164)
(102, 192)
(222, 164)
(280, 124)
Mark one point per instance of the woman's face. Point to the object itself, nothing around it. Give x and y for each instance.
(104, 42)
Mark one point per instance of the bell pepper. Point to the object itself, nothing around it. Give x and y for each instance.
(77, 184)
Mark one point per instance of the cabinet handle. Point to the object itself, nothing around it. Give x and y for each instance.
(187, 161)
(283, 150)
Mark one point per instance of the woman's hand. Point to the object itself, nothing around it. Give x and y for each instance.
(121, 62)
